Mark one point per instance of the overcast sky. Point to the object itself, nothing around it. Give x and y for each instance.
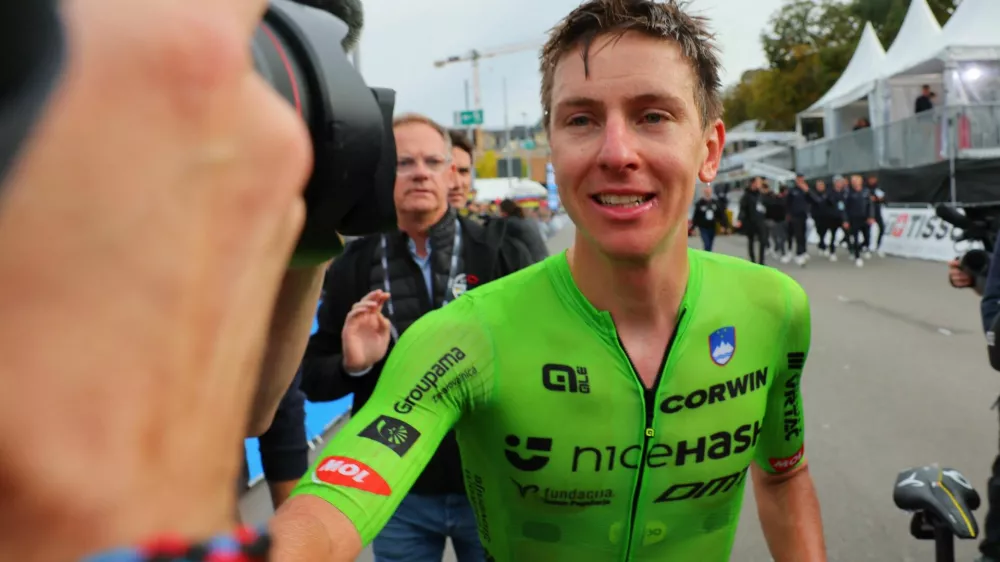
(403, 38)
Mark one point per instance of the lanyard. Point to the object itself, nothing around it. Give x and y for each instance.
(449, 289)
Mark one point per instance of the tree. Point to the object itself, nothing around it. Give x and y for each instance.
(808, 44)
(805, 27)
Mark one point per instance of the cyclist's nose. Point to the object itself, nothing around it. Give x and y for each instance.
(618, 152)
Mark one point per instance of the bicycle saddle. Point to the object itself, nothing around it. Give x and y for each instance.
(941, 496)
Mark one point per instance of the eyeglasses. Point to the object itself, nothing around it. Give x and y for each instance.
(408, 165)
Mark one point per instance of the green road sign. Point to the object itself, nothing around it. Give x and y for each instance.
(468, 118)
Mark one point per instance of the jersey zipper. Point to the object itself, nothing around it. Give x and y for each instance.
(649, 409)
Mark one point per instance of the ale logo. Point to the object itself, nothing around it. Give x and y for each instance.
(346, 472)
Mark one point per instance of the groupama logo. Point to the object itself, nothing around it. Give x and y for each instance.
(429, 380)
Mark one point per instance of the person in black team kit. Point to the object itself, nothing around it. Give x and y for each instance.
(838, 216)
(858, 218)
(824, 216)
(751, 219)
(775, 217)
(799, 201)
(708, 216)
(878, 201)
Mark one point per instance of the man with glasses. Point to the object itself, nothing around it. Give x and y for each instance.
(436, 256)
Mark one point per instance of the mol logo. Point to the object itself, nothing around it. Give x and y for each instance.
(350, 473)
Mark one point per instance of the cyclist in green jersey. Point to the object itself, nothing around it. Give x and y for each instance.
(611, 401)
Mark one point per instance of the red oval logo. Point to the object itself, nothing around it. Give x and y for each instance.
(343, 471)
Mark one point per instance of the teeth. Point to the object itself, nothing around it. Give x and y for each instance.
(621, 200)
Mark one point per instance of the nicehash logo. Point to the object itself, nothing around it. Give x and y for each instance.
(533, 444)
(394, 434)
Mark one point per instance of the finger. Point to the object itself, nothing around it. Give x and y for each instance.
(357, 312)
(364, 303)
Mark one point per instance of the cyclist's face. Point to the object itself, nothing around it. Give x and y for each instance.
(424, 169)
(628, 143)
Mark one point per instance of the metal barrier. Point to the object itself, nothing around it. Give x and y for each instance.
(980, 128)
(969, 131)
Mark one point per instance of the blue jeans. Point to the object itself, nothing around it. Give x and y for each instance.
(707, 237)
(418, 529)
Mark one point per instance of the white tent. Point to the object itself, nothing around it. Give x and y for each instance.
(491, 189)
(919, 30)
(857, 80)
(969, 35)
(962, 63)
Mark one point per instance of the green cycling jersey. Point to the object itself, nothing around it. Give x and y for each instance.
(567, 455)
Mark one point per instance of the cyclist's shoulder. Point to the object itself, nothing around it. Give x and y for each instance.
(767, 284)
(521, 286)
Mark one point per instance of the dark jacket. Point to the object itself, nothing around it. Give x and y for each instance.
(522, 230)
(708, 213)
(284, 450)
(989, 307)
(486, 255)
(824, 206)
(838, 200)
(752, 210)
(858, 205)
(776, 205)
(798, 202)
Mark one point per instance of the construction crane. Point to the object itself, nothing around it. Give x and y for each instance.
(474, 56)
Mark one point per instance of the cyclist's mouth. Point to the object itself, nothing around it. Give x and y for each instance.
(622, 201)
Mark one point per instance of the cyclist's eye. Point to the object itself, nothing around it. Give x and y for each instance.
(434, 163)
(578, 121)
(405, 163)
(654, 118)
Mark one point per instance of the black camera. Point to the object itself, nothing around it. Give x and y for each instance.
(979, 223)
(298, 49)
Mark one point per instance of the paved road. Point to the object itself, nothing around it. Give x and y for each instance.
(897, 376)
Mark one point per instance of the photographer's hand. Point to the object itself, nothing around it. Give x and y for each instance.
(958, 278)
(143, 238)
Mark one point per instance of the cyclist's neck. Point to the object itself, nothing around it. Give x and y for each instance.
(639, 294)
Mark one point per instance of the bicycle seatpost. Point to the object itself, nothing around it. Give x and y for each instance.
(944, 544)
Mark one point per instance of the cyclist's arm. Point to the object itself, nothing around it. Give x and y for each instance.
(786, 499)
(441, 367)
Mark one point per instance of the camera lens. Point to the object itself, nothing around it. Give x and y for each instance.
(297, 49)
(276, 63)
